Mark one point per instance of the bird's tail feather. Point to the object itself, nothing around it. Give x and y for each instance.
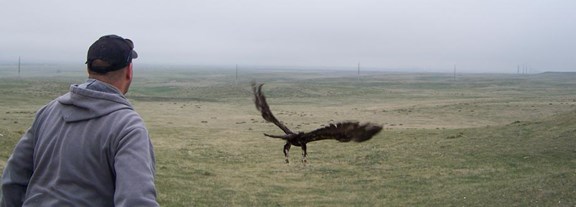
(275, 136)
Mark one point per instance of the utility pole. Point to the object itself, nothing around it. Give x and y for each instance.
(18, 66)
(524, 69)
(454, 72)
(358, 71)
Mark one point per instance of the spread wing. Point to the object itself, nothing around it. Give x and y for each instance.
(344, 132)
(262, 106)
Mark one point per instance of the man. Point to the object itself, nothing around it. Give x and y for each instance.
(88, 147)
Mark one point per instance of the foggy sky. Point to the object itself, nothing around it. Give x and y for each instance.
(474, 35)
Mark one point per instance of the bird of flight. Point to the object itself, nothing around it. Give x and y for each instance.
(342, 131)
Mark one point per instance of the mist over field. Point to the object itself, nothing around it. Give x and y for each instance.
(32, 69)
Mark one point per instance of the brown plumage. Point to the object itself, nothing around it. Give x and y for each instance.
(343, 131)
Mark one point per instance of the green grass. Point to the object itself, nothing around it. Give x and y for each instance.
(482, 140)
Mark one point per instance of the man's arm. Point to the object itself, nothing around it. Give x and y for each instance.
(135, 168)
(18, 171)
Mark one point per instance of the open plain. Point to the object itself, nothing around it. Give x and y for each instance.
(469, 140)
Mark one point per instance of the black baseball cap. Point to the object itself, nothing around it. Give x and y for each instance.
(112, 51)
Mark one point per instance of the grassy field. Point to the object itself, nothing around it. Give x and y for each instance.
(479, 140)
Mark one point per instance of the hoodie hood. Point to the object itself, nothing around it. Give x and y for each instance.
(90, 100)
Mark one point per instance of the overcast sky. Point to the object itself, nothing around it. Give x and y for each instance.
(474, 35)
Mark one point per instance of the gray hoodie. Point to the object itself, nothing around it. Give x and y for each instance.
(86, 148)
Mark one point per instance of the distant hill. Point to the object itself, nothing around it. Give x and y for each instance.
(558, 73)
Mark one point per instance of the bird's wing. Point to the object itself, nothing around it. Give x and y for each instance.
(344, 132)
(262, 106)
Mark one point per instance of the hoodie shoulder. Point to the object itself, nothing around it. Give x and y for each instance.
(83, 104)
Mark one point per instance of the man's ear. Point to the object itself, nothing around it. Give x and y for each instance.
(129, 72)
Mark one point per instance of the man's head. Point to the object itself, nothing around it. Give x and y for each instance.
(109, 59)
(110, 53)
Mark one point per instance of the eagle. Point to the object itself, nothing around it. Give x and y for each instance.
(345, 131)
